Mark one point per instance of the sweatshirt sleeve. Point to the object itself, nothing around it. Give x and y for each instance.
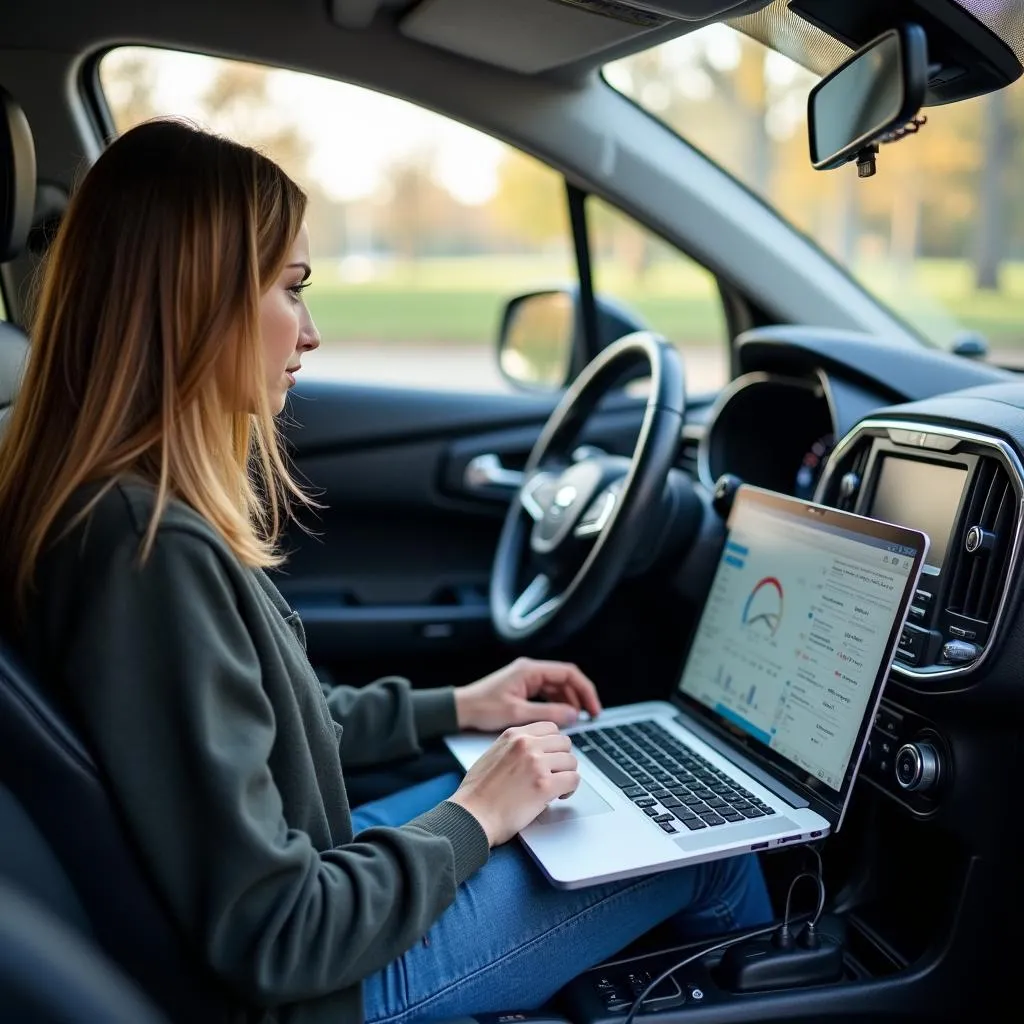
(388, 719)
(168, 687)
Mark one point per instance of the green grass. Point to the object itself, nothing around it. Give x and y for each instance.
(460, 301)
(940, 294)
(473, 317)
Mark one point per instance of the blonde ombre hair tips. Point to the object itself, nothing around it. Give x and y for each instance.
(145, 357)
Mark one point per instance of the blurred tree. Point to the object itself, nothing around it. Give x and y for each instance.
(238, 103)
(529, 206)
(744, 90)
(416, 211)
(129, 83)
(719, 105)
(617, 237)
(990, 237)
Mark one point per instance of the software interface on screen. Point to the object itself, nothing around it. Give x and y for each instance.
(794, 633)
(923, 496)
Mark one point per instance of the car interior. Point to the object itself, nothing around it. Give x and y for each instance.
(424, 560)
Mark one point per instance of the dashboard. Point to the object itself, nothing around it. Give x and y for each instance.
(918, 438)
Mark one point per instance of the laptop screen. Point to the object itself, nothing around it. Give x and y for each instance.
(798, 632)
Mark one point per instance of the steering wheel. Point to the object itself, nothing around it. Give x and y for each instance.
(575, 525)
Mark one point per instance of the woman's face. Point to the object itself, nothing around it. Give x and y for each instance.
(286, 327)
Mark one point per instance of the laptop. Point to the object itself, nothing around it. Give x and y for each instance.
(759, 745)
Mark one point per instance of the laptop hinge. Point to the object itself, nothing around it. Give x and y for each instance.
(773, 785)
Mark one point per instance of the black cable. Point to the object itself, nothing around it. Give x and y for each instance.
(732, 940)
(638, 1002)
(784, 930)
(809, 938)
(821, 865)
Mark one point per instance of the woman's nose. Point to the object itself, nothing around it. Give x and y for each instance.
(309, 337)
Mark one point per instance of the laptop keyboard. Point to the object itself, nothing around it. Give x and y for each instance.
(673, 786)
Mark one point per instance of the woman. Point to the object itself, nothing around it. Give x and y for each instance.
(142, 490)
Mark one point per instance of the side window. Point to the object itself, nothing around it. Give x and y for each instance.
(421, 228)
(672, 293)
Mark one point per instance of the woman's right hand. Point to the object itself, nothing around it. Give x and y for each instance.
(524, 769)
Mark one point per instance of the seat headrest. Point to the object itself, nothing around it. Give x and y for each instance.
(13, 352)
(17, 177)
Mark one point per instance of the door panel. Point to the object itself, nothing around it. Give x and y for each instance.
(393, 575)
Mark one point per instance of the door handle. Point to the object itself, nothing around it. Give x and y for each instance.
(485, 473)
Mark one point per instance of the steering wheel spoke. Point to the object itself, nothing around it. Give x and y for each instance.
(534, 603)
(537, 493)
(599, 513)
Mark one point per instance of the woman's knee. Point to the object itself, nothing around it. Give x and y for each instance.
(736, 881)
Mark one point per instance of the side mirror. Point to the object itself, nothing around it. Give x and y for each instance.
(876, 92)
(537, 341)
(535, 344)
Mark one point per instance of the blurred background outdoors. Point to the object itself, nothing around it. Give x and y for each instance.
(423, 228)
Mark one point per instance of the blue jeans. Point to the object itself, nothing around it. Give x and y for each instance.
(511, 940)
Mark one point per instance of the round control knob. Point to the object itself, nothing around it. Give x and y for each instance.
(917, 767)
(726, 487)
(977, 540)
(849, 485)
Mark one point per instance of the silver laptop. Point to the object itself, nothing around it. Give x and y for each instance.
(760, 744)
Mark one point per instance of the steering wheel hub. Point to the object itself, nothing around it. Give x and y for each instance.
(570, 495)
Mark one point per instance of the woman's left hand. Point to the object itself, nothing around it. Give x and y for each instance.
(506, 697)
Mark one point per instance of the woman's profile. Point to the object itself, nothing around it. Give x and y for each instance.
(143, 491)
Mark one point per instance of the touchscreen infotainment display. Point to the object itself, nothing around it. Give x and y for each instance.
(923, 496)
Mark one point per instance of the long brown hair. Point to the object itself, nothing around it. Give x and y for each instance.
(146, 358)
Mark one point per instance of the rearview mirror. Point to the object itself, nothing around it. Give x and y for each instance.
(877, 91)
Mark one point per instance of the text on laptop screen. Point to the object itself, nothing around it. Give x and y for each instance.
(794, 632)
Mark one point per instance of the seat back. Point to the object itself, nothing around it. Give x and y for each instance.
(49, 975)
(66, 805)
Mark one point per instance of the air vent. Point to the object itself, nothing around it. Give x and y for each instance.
(983, 557)
(688, 460)
(845, 482)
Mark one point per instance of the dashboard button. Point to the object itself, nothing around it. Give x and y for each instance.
(888, 721)
(962, 634)
(917, 766)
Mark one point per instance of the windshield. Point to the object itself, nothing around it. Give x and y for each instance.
(937, 233)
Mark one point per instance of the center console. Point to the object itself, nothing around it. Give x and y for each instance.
(924, 874)
(965, 490)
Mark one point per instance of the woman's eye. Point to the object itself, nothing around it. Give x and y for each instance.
(296, 290)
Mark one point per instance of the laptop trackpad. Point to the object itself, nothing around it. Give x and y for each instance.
(736, 834)
(586, 801)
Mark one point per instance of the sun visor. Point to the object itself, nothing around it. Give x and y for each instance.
(529, 36)
(532, 36)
